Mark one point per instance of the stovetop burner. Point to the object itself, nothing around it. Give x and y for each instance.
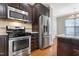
(16, 31)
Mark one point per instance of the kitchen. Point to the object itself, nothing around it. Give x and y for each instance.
(20, 28)
(39, 29)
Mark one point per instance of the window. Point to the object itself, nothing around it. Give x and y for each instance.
(69, 22)
(69, 30)
(77, 22)
(72, 27)
(77, 27)
(69, 26)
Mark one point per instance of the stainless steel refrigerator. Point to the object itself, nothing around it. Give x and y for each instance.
(44, 36)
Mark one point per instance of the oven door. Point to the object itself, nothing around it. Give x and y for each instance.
(18, 45)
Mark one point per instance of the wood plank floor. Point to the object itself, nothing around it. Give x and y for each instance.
(50, 51)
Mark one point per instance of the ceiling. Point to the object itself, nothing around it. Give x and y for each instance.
(60, 5)
(60, 9)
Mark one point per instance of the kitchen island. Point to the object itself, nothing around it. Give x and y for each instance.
(67, 45)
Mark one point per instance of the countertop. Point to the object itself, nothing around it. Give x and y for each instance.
(33, 32)
(68, 36)
(3, 34)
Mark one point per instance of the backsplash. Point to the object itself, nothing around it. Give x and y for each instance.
(8, 22)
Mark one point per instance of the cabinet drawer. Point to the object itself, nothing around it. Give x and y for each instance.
(75, 52)
(64, 49)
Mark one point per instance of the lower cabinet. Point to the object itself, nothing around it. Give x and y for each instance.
(34, 42)
(76, 52)
(76, 48)
(3, 45)
(64, 47)
(67, 47)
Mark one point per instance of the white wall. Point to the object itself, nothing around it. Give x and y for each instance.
(60, 25)
(53, 23)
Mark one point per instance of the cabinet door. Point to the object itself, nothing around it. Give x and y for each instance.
(3, 10)
(34, 42)
(30, 12)
(75, 50)
(15, 5)
(23, 7)
(27, 8)
(64, 47)
(3, 46)
(75, 47)
(44, 10)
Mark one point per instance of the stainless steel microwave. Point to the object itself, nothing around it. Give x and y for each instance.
(17, 14)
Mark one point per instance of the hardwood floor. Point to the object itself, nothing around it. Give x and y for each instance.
(50, 51)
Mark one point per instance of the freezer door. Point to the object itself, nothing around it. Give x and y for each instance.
(46, 41)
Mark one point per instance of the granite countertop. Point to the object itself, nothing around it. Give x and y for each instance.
(34, 32)
(3, 34)
(68, 36)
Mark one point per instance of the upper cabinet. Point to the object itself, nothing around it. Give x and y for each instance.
(15, 5)
(23, 7)
(27, 8)
(20, 6)
(42, 10)
(38, 10)
(3, 10)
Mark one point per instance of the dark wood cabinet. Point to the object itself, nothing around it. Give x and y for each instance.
(42, 10)
(64, 47)
(27, 8)
(20, 6)
(75, 50)
(75, 47)
(35, 41)
(67, 46)
(15, 5)
(30, 12)
(3, 45)
(3, 10)
(23, 7)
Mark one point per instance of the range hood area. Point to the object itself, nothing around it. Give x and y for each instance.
(17, 11)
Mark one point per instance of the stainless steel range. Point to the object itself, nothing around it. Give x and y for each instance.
(19, 42)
